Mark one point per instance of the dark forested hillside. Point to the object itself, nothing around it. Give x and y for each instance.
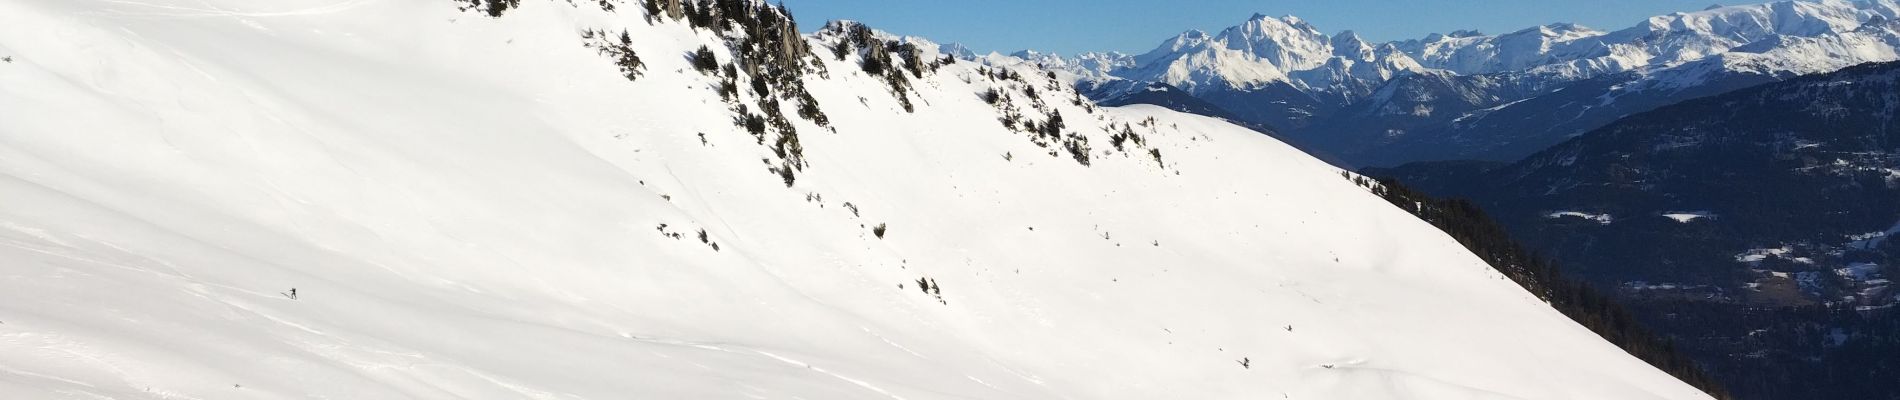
(1469, 225)
(1808, 352)
(1752, 227)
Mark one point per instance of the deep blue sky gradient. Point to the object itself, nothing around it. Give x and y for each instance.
(1136, 26)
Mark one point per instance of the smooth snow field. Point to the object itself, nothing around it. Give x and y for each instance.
(483, 208)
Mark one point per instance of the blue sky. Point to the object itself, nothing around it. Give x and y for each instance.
(1135, 26)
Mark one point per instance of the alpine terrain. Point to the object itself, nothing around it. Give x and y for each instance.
(597, 199)
(1473, 96)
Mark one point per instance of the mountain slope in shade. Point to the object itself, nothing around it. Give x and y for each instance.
(567, 202)
(1811, 158)
(1752, 226)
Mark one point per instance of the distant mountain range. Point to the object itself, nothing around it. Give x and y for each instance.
(1468, 95)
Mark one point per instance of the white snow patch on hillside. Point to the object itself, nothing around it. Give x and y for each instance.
(1872, 240)
(1756, 256)
(1859, 272)
(1604, 219)
(1688, 216)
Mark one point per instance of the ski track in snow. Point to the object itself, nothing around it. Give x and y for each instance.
(209, 10)
(854, 381)
(733, 349)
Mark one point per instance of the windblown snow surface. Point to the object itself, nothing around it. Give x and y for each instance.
(471, 208)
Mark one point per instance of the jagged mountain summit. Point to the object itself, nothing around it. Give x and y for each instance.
(503, 199)
(1468, 95)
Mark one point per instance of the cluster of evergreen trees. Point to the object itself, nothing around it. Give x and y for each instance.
(764, 44)
(930, 287)
(765, 47)
(1806, 352)
(1469, 225)
(886, 59)
(621, 51)
(1049, 133)
(1012, 116)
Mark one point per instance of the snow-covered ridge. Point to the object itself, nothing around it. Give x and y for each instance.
(586, 200)
(1086, 66)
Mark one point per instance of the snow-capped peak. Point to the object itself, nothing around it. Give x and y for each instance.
(959, 50)
(1755, 22)
(1287, 43)
(1260, 51)
(1348, 44)
(1264, 49)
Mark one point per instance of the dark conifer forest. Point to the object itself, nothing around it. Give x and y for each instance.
(1468, 224)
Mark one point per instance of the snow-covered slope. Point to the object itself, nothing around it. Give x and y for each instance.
(489, 208)
(1265, 50)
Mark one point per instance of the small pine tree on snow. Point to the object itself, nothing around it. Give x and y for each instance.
(1053, 128)
(873, 66)
(653, 10)
(840, 50)
(755, 125)
(785, 174)
(704, 60)
(808, 109)
(630, 64)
